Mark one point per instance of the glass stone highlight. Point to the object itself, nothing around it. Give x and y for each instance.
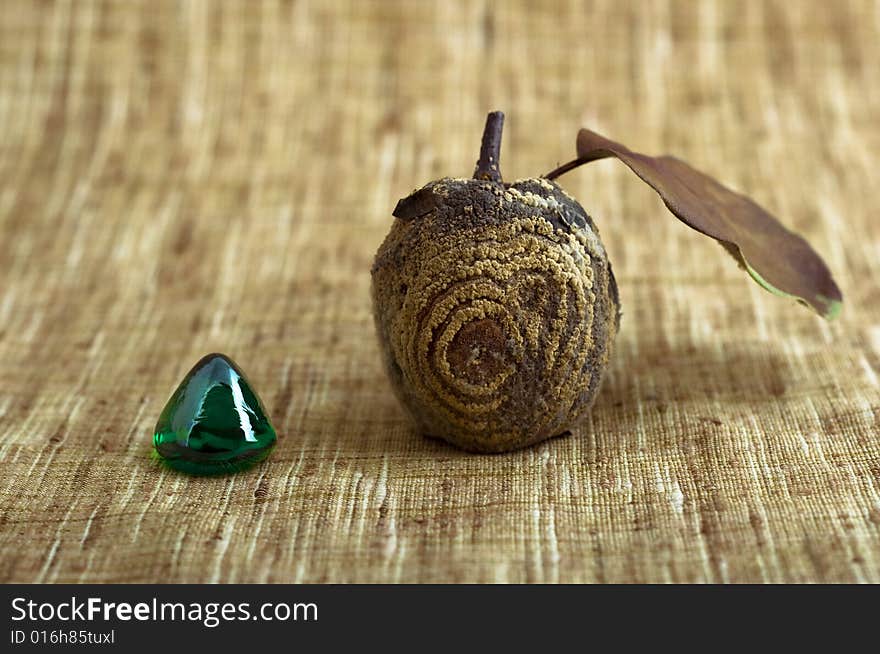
(214, 422)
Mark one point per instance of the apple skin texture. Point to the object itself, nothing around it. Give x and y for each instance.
(496, 308)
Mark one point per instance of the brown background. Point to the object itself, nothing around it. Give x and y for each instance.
(182, 178)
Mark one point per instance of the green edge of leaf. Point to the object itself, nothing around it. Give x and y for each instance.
(834, 307)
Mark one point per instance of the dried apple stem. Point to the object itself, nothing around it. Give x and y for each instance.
(490, 150)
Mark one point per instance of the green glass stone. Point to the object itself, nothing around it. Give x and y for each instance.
(214, 422)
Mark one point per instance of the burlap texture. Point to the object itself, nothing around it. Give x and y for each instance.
(180, 178)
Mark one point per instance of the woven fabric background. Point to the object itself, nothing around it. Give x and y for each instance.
(181, 178)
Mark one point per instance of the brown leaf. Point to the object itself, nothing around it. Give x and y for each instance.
(779, 260)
